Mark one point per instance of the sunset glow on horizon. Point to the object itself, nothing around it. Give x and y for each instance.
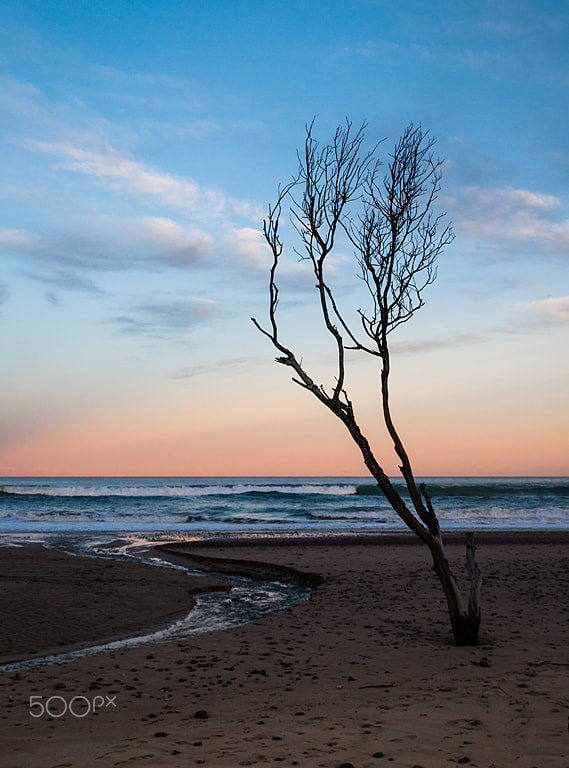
(141, 146)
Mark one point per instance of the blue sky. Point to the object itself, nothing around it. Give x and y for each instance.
(140, 146)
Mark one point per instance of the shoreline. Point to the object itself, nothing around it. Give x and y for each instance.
(98, 626)
(364, 667)
(485, 536)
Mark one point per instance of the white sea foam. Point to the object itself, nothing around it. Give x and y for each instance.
(166, 491)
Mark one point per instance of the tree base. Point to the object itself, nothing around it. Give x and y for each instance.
(465, 630)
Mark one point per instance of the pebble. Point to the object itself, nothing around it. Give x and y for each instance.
(201, 714)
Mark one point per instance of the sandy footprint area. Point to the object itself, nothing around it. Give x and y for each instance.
(362, 673)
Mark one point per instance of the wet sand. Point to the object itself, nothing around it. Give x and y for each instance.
(364, 672)
(52, 602)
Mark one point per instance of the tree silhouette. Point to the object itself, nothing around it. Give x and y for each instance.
(396, 237)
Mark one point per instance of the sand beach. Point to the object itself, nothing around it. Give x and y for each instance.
(362, 673)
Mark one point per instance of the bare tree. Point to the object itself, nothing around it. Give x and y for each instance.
(396, 238)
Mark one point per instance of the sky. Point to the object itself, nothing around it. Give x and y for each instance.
(141, 144)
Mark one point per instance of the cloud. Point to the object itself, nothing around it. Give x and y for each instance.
(551, 311)
(115, 244)
(511, 216)
(20, 240)
(366, 49)
(234, 363)
(3, 293)
(247, 210)
(73, 248)
(430, 345)
(156, 92)
(85, 142)
(167, 318)
(58, 259)
(176, 244)
(251, 247)
(65, 279)
(248, 252)
(505, 28)
(120, 171)
(52, 298)
(27, 114)
(71, 138)
(22, 99)
(162, 80)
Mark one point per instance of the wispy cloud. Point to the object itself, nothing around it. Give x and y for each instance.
(175, 243)
(162, 80)
(233, 364)
(64, 279)
(121, 171)
(428, 54)
(251, 246)
(551, 311)
(430, 345)
(511, 216)
(66, 258)
(176, 222)
(167, 318)
(366, 49)
(60, 260)
(506, 28)
(3, 293)
(20, 240)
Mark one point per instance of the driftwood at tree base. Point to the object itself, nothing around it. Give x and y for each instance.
(475, 582)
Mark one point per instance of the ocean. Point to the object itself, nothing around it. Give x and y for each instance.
(198, 507)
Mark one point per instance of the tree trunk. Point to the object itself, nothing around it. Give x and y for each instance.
(465, 622)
